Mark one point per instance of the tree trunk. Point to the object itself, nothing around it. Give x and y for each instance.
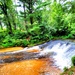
(1, 25)
(8, 24)
(9, 28)
(31, 10)
(31, 20)
(4, 9)
(25, 15)
(14, 25)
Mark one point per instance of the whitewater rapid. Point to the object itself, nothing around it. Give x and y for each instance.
(63, 52)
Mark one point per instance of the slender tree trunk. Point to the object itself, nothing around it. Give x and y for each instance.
(24, 11)
(25, 15)
(1, 25)
(31, 10)
(13, 21)
(31, 20)
(8, 24)
(14, 25)
(9, 28)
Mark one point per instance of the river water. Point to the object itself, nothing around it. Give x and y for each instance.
(63, 51)
(47, 59)
(30, 67)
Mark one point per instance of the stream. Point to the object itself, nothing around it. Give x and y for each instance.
(46, 59)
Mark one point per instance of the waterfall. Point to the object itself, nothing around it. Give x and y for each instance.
(63, 52)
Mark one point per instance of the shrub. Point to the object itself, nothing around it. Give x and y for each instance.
(65, 69)
(73, 60)
(20, 34)
(25, 43)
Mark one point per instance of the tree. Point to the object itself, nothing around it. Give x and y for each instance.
(28, 9)
(4, 8)
(9, 12)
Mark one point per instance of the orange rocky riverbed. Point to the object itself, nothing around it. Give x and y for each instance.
(41, 66)
(10, 49)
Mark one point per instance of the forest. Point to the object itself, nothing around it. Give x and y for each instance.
(31, 22)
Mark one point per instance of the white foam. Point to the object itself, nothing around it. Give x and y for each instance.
(60, 57)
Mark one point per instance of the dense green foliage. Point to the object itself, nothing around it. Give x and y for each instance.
(73, 60)
(37, 22)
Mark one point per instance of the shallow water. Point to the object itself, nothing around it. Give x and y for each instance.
(30, 67)
(11, 49)
(35, 66)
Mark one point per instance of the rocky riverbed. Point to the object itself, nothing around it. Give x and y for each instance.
(26, 63)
